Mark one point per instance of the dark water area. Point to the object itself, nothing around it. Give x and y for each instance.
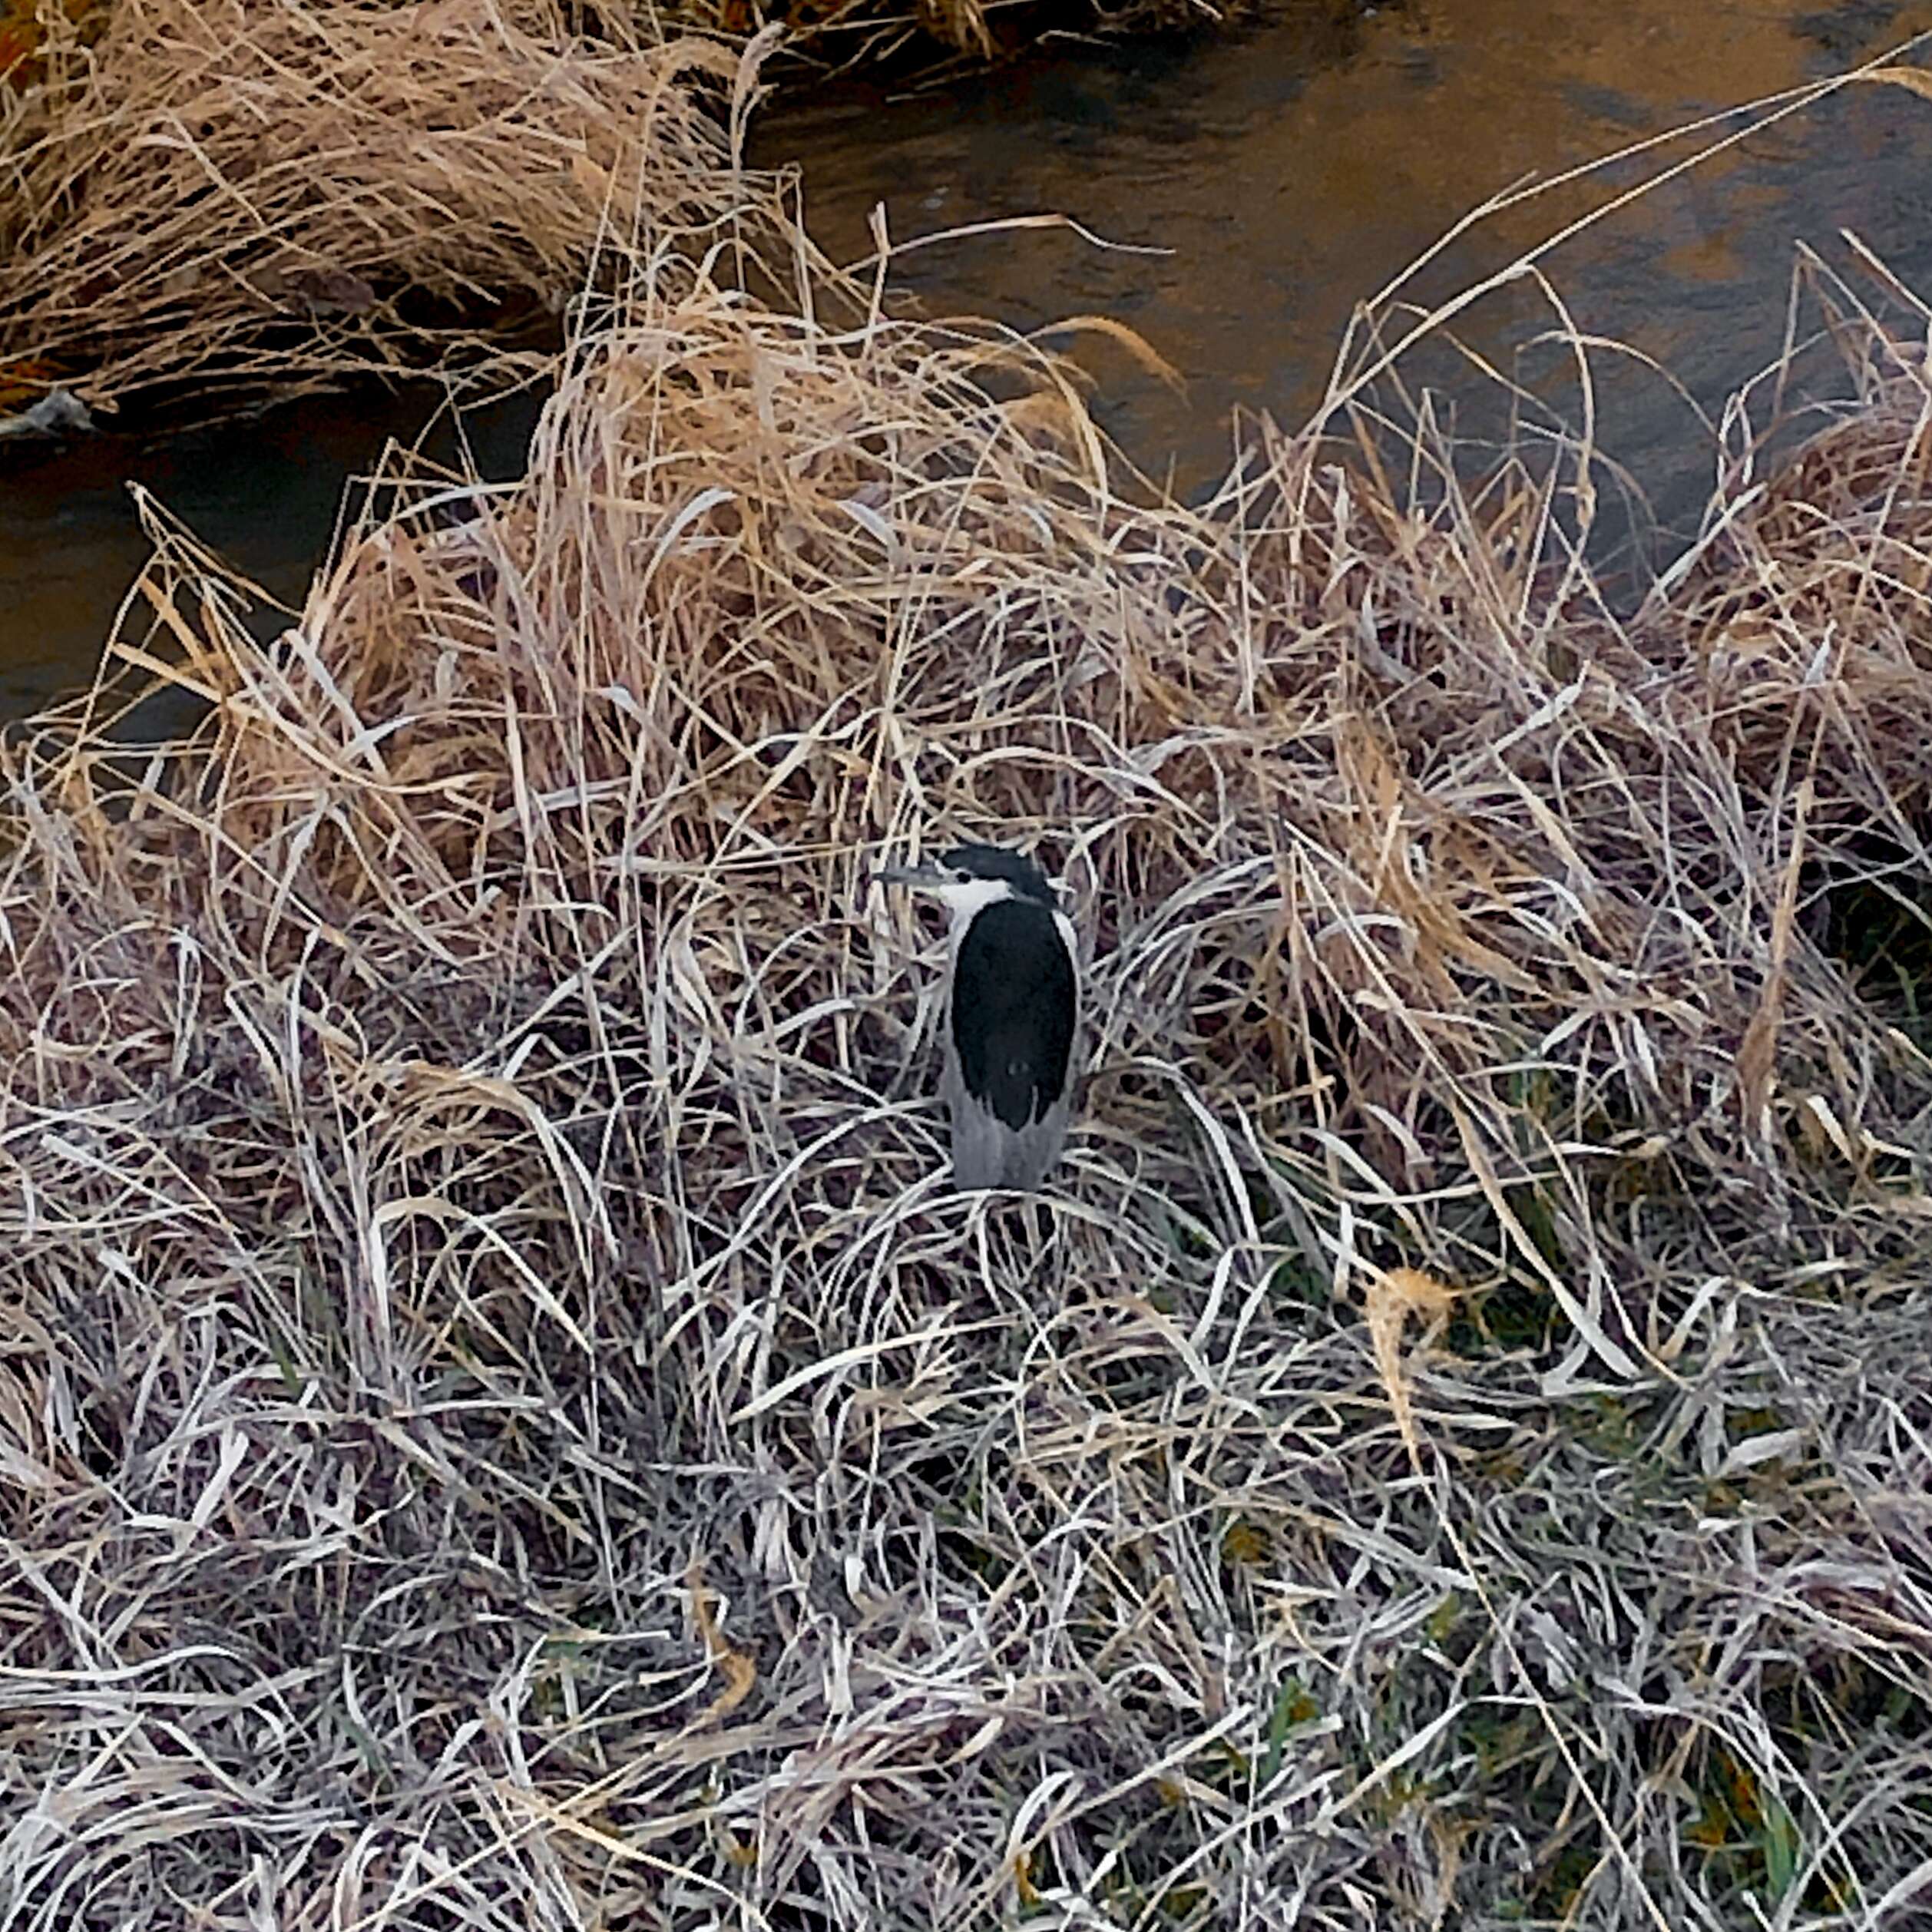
(1293, 173)
(1289, 172)
(265, 493)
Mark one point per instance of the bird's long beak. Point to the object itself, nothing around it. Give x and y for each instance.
(928, 875)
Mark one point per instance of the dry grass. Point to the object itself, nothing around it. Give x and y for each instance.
(238, 196)
(227, 198)
(502, 1423)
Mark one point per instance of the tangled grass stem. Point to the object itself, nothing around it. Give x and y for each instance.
(219, 198)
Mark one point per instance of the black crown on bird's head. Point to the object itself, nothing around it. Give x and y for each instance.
(1019, 871)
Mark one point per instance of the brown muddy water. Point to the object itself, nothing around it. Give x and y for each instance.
(1289, 172)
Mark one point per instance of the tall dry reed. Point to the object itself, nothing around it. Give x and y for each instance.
(234, 198)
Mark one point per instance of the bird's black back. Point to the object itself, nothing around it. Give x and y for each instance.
(1013, 1010)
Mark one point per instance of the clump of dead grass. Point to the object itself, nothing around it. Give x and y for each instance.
(239, 197)
(503, 1423)
(234, 199)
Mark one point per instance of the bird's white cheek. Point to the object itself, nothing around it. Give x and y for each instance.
(963, 898)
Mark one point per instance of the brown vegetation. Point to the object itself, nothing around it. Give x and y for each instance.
(239, 197)
(223, 198)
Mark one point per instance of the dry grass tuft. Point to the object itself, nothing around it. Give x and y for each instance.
(502, 1423)
(225, 199)
(237, 196)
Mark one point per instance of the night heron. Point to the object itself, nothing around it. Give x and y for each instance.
(1012, 1005)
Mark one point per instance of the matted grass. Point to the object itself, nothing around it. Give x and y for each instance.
(216, 200)
(503, 1424)
(233, 198)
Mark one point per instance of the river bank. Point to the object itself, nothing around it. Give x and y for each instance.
(500, 1420)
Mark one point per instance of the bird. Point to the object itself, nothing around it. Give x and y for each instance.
(1012, 1011)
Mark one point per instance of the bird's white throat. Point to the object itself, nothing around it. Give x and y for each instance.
(965, 896)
